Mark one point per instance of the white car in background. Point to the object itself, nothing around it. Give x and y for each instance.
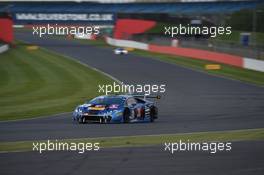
(120, 51)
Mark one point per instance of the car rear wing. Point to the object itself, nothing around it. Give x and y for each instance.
(147, 96)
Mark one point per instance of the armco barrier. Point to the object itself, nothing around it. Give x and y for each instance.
(4, 48)
(192, 53)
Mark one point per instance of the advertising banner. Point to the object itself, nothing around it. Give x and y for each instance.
(26, 18)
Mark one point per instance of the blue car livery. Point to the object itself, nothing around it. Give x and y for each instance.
(117, 109)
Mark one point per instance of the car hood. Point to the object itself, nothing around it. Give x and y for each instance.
(99, 107)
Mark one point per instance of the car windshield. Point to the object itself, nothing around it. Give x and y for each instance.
(107, 100)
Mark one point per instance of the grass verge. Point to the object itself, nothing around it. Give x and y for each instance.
(37, 82)
(149, 140)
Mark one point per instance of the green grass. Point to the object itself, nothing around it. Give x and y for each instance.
(37, 83)
(148, 140)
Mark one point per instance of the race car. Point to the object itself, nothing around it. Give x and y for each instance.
(120, 51)
(117, 109)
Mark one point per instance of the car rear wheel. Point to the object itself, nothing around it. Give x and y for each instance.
(126, 115)
(153, 114)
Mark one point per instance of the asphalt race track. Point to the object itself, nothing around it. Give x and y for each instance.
(141, 161)
(193, 101)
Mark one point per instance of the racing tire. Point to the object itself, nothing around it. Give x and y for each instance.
(82, 120)
(101, 120)
(126, 115)
(153, 114)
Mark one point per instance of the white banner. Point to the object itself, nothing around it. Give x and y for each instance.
(127, 43)
(64, 17)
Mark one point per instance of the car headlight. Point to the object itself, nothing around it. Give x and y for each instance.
(78, 110)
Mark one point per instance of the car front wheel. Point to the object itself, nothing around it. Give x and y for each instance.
(82, 120)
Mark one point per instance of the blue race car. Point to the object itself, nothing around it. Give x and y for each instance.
(117, 109)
